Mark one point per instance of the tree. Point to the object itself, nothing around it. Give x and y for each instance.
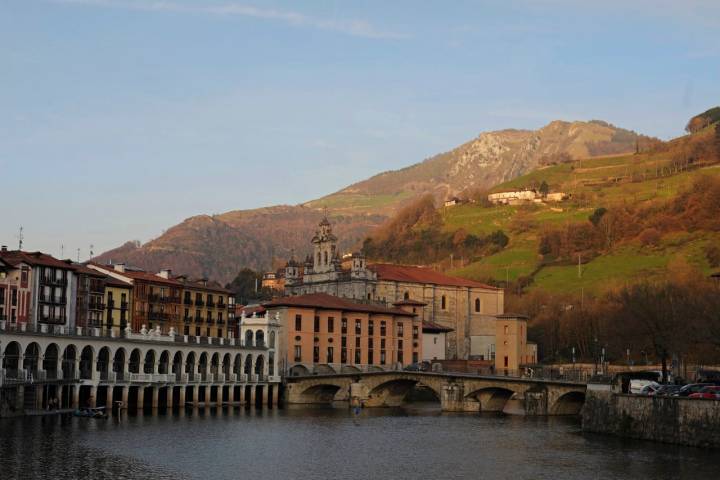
(247, 287)
(544, 189)
(597, 215)
(717, 140)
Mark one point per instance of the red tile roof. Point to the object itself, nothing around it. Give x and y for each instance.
(139, 275)
(432, 327)
(414, 274)
(14, 257)
(330, 302)
(116, 282)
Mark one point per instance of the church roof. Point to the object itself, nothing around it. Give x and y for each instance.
(331, 302)
(414, 274)
(432, 327)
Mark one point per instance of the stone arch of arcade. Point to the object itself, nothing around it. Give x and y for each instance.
(79, 369)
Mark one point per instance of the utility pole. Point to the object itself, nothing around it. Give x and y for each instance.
(579, 266)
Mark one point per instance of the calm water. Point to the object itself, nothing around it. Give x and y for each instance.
(319, 443)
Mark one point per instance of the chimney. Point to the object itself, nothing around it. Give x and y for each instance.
(3, 248)
(165, 273)
(119, 267)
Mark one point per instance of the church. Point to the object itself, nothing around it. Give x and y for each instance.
(470, 309)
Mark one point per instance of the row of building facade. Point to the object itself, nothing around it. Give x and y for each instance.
(37, 289)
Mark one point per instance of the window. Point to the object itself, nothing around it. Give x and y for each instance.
(220, 317)
(343, 355)
(477, 305)
(343, 342)
(357, 342)
(316, 326)
(382, 329)
(507, 329)
(382, 357)
(358, 327)
(197, 331)
(370, 357)
(357, 356)
(371, 327)
(298, 323)
(415, 357)
(382, 343)
(415, 332)
(207, 331)
(298, 353)
(186, 330)
(406, 296)
(506, 361)
(370, 342)
(343, 327)
(219, 332)
(330, 355)
(400, 356)
(400, 329)
(331, 324)
(435, 340)
(316, 354)
(443, 303)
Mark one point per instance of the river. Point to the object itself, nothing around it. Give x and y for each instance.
(415, 442)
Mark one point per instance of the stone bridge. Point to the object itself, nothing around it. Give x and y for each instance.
(456, 392)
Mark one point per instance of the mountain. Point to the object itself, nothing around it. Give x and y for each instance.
(219, 246)
(489, 159)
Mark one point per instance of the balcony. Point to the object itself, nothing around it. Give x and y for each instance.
(159, 316)
(53, 320)
(187, 320)
(211, 304)
(210, 321)
(220, 321)
(187, 301)
(60, 282)
(97, 306)
(199, 319)
(221, 305)
(199, 302)
(110, 305)
(123, 305)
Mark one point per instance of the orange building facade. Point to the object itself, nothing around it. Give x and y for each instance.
(322, 333)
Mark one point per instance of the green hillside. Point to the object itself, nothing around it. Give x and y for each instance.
(657, 213)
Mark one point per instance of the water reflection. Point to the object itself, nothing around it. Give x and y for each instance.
(325, 442)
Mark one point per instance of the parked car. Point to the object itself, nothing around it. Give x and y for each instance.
(650, 388)
(637, 385)
(712, 393)
(666, 390)
(688, 390)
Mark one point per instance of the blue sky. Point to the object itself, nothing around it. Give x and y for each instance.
(123, 117)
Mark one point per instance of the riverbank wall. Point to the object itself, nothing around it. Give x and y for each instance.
(682, 421)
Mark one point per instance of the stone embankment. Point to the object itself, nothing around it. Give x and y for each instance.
(683, 421)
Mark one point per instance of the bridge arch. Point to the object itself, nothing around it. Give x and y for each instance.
(392, 393)
(569, 403)
(320, 393)
(491, 398)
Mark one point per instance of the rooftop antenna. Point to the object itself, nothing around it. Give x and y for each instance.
(91, 250)
(62, 250)
(20, 238)
(78, 255)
